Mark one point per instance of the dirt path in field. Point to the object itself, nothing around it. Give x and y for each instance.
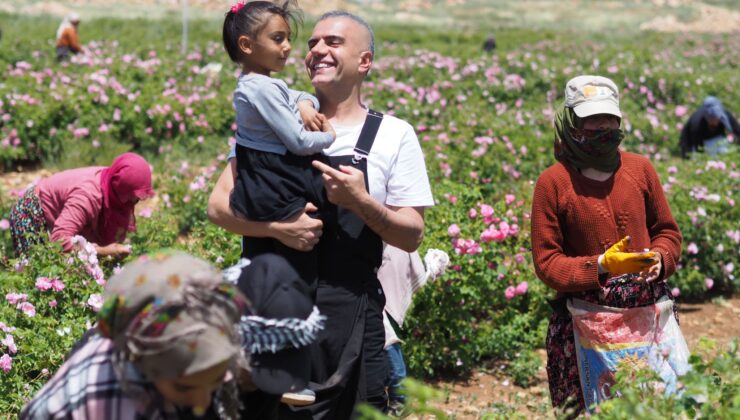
(475, 397)
(12, 183)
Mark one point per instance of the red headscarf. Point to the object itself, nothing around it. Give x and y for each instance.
(129, 178)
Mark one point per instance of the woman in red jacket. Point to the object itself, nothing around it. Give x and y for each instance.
(67, 40)
(95, 202)
(602, 230)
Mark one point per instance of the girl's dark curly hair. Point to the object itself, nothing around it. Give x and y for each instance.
(251, 18)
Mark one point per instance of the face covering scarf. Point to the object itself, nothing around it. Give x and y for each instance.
(598, 149)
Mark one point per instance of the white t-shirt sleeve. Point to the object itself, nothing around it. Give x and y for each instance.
(408, 183)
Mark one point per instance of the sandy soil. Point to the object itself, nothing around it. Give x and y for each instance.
(655, 15)
(711, 19)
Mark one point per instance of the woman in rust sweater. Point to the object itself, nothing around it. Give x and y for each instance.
(602, 230)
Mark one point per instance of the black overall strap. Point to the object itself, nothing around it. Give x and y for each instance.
(367, 135)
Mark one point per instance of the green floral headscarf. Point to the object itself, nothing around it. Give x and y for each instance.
(583, 150)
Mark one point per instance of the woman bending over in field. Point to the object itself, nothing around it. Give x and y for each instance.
(95, 202)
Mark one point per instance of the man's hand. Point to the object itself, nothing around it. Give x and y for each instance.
(344, 187)
(617, 261)
(301, 232)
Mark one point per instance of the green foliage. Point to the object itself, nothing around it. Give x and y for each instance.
(711, 390)
(45, 334)
(524, 368)
(420, 399)
(706, 212)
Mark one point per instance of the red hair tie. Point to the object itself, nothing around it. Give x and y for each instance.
(237, 6)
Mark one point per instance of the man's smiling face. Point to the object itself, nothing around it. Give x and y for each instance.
(338, 52)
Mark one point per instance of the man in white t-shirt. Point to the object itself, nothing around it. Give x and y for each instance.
(349, 368)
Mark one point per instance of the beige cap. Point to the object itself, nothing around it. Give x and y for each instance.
(591, 95)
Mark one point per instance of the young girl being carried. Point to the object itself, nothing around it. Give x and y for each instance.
(274, 150)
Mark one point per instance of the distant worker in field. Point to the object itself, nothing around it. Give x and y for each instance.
(708, 129)
(490, 44)
(96, 202)
(67, 39)
(602, 229)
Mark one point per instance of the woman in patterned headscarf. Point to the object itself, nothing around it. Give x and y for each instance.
(167, 348)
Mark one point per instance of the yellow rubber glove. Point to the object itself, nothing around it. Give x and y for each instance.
(616, 261)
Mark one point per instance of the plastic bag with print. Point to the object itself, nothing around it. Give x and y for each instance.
(606, 336)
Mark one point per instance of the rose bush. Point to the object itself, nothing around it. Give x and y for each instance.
(484, 123)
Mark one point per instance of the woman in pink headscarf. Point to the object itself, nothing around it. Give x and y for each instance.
(95, 202)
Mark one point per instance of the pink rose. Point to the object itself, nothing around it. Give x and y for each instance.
(498, 235)
(675, 292)
(57, 285)
(692, 249)
(522, 288)
(709, 282)
(4, 224)
(9, 342)
(27, 309)
(6, 363)
(486, 210)
(453, 230)
(43, 283)
(473, 247)
(472, 214)
(53, 303)
(95, 301)
(14, 298)
(509, 198)
(510, 293)
(504, 228)
(513, 230)
(492, 234)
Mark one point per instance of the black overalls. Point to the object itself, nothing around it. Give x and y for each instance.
(348, 360)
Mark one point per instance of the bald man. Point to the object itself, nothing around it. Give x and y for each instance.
(380, 188)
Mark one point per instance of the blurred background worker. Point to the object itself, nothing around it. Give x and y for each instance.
(490, 44)
(67, 40)
(708, 129)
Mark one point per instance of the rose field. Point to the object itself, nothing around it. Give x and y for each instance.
(484, 122)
